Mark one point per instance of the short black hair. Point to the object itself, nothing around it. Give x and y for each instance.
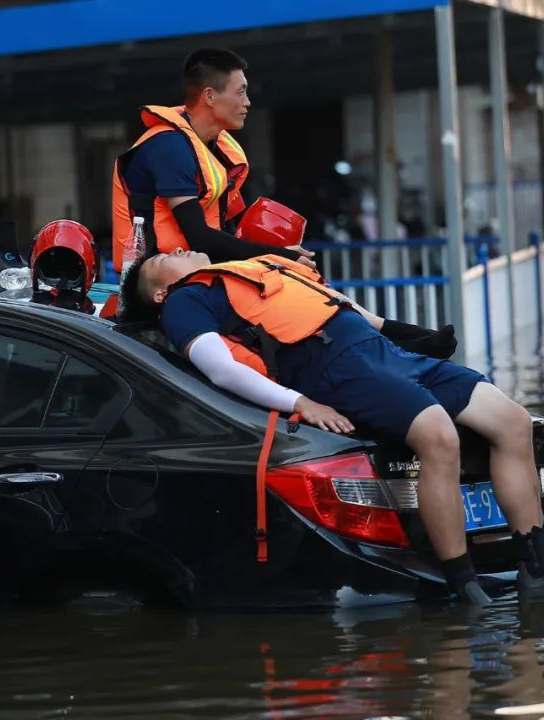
(209, 67)
(133, 306)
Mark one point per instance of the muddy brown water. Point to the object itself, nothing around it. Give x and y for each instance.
(106, 657)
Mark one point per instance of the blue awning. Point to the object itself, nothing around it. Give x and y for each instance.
(79, 23)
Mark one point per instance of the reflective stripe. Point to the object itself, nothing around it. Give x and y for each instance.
(213, 176)
(232, 142)
(217, 186)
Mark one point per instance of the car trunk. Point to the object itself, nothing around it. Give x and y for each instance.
(489, 545)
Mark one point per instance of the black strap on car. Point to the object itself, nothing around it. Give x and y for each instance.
(332, 301)
(253, 337)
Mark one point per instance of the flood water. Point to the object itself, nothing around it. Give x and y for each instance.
(402, 661)
(106, 657)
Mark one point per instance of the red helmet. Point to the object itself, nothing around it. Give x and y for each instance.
(64, 256)
(271, 223)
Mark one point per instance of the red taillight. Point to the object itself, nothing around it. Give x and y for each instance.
(343, 494)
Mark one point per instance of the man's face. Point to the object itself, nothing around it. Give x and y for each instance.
(163, 269)
(231, 105)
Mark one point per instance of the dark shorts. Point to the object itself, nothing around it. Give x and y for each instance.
(378, 385)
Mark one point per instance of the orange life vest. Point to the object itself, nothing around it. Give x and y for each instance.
(283, 300)
(215, 177)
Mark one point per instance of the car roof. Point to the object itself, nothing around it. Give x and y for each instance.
(22, 306)
(60, 322)
(115, 344)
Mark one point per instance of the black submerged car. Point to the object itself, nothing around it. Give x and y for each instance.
(122, 467)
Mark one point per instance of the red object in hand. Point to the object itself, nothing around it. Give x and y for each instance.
(271, 223)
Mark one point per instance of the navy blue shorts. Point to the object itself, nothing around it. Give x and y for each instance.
(379, 385)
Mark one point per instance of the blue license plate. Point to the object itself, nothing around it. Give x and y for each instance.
(481, 509)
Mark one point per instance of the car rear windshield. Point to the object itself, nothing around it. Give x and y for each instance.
(150, 334)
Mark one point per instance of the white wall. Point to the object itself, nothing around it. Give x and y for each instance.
(525, 301)
(45, 169)
(476, 146)
(358, 131)
(411, 134)
(417, 139)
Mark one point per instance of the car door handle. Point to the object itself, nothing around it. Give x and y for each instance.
(20, 481)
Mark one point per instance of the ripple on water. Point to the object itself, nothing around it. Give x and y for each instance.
(401, 662)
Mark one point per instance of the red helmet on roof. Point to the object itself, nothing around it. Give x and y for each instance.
(64, 256)
(271, 223)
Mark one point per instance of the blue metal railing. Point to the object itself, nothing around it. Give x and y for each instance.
(419, 293)
(421, 289)
(482, 253)
(535, 241)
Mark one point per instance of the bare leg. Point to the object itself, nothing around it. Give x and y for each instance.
(507, 426)
(434, 438)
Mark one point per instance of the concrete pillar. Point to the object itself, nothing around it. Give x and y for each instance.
(540, 111)
(449, 113)
(385, 156)
(502, 149)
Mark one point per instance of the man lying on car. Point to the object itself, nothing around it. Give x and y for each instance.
(335, 368)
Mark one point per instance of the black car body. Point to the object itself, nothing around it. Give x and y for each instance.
(120, 465)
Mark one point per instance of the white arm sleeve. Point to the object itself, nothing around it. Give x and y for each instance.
(213, 358)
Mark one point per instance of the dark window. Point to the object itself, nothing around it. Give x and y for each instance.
(27, 374)
(83, 396)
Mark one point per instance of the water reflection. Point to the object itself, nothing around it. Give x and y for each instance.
(402, 661)
(111, 659)
(521, 374)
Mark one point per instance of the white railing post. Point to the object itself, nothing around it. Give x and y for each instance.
(409, 291)
(346, 271)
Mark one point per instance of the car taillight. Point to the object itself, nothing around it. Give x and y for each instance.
(343, 494)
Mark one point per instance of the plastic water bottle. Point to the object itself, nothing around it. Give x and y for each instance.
(134, 245)
(20, 294)
(134, 249)
(17, 278)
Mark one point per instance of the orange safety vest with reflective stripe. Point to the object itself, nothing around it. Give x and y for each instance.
(215, 177)
(285, 300)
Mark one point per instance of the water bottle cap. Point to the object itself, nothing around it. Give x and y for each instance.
(138, 220)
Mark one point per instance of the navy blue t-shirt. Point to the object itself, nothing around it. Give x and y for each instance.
(196, 309)
(163, 166)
